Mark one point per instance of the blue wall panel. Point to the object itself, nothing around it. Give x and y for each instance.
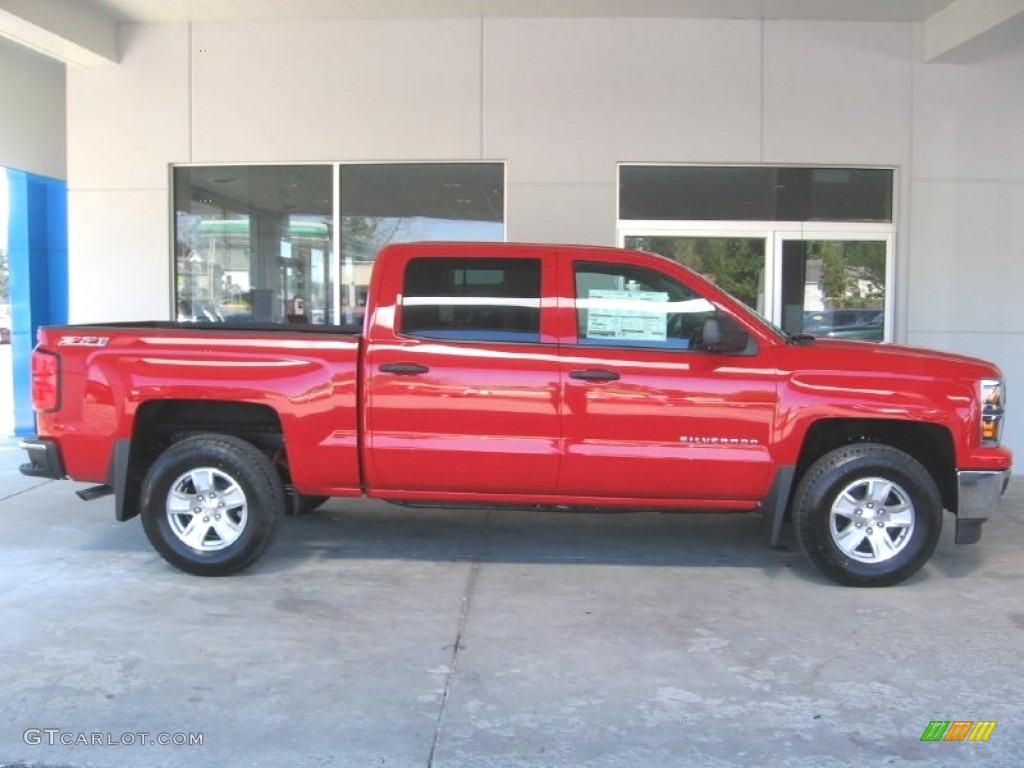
(38, 261)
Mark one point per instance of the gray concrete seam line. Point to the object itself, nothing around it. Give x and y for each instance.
(467, 601)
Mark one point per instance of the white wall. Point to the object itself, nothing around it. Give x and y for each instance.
(967, 216)
(126, 125)
(967, 199)
(363, 91)
(562, 101)
(565, 100)
(32, 110)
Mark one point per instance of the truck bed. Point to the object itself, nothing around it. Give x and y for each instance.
(296, 382)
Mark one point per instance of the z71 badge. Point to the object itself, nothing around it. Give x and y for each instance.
(83, 341)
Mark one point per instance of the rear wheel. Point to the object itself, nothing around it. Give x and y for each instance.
(211, 504)
(867, 515)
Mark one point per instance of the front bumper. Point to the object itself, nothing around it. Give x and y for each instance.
(979, 492)
(43, 459)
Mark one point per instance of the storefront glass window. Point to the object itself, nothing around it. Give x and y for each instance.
(253, 244)
(256, 244)
(383, 203)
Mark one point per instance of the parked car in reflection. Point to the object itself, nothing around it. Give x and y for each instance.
(860, 324)
(873, 330)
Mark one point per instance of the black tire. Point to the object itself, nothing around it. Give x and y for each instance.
(867, 515)
(211, 504)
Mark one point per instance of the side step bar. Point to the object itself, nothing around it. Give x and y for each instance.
(96, 492)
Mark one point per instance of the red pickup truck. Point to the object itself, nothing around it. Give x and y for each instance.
(527, 376)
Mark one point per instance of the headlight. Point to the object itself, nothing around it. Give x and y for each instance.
(993, 400)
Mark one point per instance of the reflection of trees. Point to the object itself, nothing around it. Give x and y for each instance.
(362, 237)
(852, 272)
(732, 263)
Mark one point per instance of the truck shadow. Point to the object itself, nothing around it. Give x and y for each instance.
(372, 530)
(361, 529)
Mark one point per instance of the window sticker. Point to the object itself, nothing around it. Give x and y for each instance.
(620, 315)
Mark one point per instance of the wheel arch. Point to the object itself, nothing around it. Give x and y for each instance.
(930, 444)
(161, 423)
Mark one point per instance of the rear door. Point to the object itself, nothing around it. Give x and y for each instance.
(462, 396)
(653, 410)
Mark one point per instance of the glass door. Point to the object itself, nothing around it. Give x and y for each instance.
(834, 283)
(835, 286)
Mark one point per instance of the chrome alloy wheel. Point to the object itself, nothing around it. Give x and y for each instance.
(206, 509)
(872, 520)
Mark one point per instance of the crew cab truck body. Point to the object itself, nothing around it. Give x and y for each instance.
(524, 375)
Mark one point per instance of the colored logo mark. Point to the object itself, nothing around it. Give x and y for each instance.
(958, 730)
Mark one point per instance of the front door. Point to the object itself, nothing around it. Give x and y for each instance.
(651, 411)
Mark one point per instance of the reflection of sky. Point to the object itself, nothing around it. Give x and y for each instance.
(422, 228)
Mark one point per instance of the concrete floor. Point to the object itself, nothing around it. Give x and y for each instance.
(380, 637)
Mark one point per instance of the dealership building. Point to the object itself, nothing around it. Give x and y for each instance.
(846, 167)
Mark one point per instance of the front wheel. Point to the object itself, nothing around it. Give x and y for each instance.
(867, 515)
(211, 504)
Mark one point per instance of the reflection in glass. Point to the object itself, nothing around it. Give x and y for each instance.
(734, 264)
(253, 244)
(754, 193)
(834, 288)
(472, 299)
(405, 202)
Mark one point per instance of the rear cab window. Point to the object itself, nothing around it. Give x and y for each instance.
(472, 299)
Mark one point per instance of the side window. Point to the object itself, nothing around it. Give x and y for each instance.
(625, 306)
(467, 299)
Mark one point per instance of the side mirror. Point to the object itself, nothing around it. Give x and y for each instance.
(722, 334)
(711, 334)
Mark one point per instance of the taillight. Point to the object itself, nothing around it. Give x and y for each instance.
(993, 407)
(45, 381)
